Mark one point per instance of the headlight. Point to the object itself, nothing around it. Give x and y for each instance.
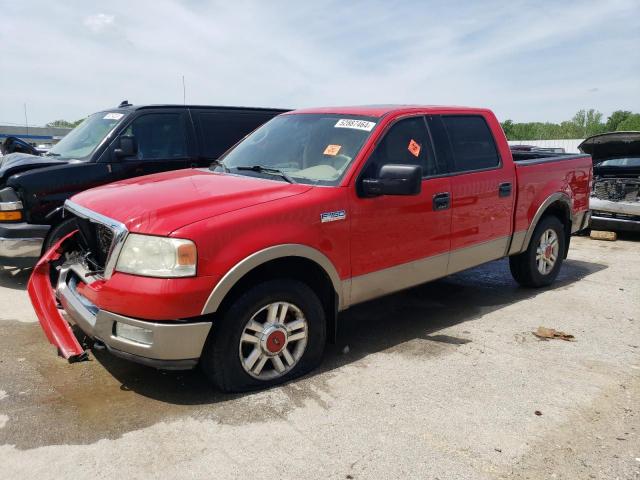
(10, 205)
(157, 257)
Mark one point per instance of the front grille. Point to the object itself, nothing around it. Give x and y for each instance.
(617, 189)
(96, 241)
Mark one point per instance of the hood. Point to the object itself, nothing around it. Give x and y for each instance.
(610, 145)
(17, 145)
(161, 203)
(19, 162)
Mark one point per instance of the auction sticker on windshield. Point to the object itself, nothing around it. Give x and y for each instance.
(113, 116)
(357, 124)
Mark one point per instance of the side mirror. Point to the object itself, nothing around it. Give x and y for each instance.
(127, 146)
(394, 180)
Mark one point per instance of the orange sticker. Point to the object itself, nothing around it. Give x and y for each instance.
(414, 148)
(332, 150)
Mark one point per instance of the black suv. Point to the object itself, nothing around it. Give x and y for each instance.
(112, 145)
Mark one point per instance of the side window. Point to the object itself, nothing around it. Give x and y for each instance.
(471, 143)
(220, 131)
(406, 143)
(159, 136)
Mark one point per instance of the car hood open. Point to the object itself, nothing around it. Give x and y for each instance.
(160, 204)
(611, 145)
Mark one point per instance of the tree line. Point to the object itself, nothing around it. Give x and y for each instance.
(583, 124)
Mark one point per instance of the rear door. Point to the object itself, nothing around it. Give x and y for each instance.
(400, 241)
(219, 130)
(482, 190)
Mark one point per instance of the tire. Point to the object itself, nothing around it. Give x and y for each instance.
(528, 268)
(232, 358)
(58, 232)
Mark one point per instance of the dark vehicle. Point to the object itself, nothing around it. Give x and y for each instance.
(111, 145)
(615, 198)
(17, 145)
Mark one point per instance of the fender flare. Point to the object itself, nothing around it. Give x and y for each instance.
(238, 271)
(553, 198)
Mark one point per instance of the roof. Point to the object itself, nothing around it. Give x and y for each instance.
(381, 110)
(129, 108)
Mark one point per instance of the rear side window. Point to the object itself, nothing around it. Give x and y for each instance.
(221, 130)
(471, 142)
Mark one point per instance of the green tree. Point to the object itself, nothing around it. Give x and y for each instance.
(631, 123)
(60, 124)
(65, 123)
(615, 119)
(507, 127)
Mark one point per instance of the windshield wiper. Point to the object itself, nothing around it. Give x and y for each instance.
(219, 163)
(268, 170)
(51, 154)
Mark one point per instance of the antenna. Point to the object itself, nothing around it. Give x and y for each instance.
(26, 120)
(184, 92)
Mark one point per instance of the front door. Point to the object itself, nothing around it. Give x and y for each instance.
(400, 241)
(163, 145)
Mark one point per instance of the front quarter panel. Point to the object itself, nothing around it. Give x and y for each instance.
(226, 240)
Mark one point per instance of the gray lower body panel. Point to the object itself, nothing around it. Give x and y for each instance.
(170, 345)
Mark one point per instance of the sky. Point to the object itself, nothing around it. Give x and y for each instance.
(528, 61)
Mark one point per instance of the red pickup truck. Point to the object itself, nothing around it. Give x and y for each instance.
(243, 267)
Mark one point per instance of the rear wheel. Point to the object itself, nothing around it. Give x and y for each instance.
(273, 333)
(540, 264)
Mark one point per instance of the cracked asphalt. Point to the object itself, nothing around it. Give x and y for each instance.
(441, 381)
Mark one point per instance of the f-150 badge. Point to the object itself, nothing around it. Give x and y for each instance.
(333, 216)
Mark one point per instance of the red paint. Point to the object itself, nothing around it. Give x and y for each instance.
(55, 327)
(230, 217)
(276, 341)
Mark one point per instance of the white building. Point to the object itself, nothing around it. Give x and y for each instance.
(570, 146)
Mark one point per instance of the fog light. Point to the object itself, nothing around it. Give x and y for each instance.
(135, 334)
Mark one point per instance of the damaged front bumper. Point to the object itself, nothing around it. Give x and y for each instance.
(175, 345)
(614, 215)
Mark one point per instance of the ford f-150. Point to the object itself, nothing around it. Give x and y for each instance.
(242, 267)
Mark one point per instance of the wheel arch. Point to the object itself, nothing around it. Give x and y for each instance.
(558, 204)
(290, 260)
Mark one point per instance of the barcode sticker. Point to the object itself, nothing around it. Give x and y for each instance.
(357, 124)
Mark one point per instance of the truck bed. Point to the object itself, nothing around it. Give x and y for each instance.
(541, 174)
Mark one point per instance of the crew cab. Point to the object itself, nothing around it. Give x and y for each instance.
(114, 144)
(615, 198)
(243, 267)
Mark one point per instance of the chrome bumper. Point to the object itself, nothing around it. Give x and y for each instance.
(22, 240)
(21, 247)
(172, 345)
(626, 208)
(609, 215)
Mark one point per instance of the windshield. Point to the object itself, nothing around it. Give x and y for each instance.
(621, 162)
(83, 140)
(309, 148)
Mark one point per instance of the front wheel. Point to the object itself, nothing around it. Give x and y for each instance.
(540, 264)
(273, 333)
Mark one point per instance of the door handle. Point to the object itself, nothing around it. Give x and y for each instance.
(441, 201)
(504, 190)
